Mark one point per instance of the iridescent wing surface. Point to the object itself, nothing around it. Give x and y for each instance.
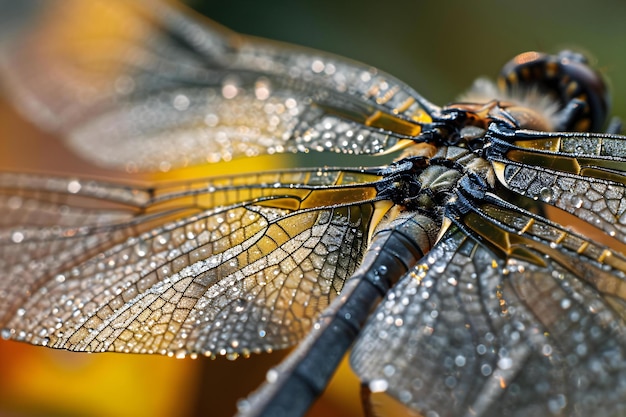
(233, 265)
(519, 308)
(512, 312)
(146, 86)
(580, 174)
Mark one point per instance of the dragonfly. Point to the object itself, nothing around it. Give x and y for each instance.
(478, 271)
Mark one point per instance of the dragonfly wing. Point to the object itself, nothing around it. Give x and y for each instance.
(580, 175)
(204, 267)
(411, 342)
(397, 243)
(509, 314)
(146, 85)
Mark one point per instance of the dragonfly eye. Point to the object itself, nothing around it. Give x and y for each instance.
(568, 79)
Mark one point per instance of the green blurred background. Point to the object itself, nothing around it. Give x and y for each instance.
(439, 48)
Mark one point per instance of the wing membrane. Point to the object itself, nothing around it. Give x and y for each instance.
(147, 85)
(509, 314)
(581, 174)
(210, 267)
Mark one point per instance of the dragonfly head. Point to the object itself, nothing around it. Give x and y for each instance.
(535, 91)
(575, 88)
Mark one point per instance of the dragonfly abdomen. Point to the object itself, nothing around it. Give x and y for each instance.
(397, 245)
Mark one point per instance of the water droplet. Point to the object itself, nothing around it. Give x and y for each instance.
(557, 404)
(5, 333)
(576, 202)
(485, 370)
(545, 194)
(290, 103)
(262, 89)
(211, 120)
(141, 249)
(389, 370)
(546, 350)
(181, 102)
(73, 186)
(378, 385)
(271, 376)
(317, 66)
(417, 384)
(229, 91)
(165, 166)
(450, 381)
(17, 237)
(244, 406)
(505, 363)
(241, 306)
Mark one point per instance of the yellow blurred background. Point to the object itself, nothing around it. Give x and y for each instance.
(438, 48)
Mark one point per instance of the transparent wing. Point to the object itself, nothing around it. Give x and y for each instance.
(146, 85)
(213, 267)
(582, 175)
(509, 314)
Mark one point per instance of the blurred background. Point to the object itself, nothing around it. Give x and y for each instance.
(438, 48)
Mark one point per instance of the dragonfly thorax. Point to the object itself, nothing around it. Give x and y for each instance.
(428, 183)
